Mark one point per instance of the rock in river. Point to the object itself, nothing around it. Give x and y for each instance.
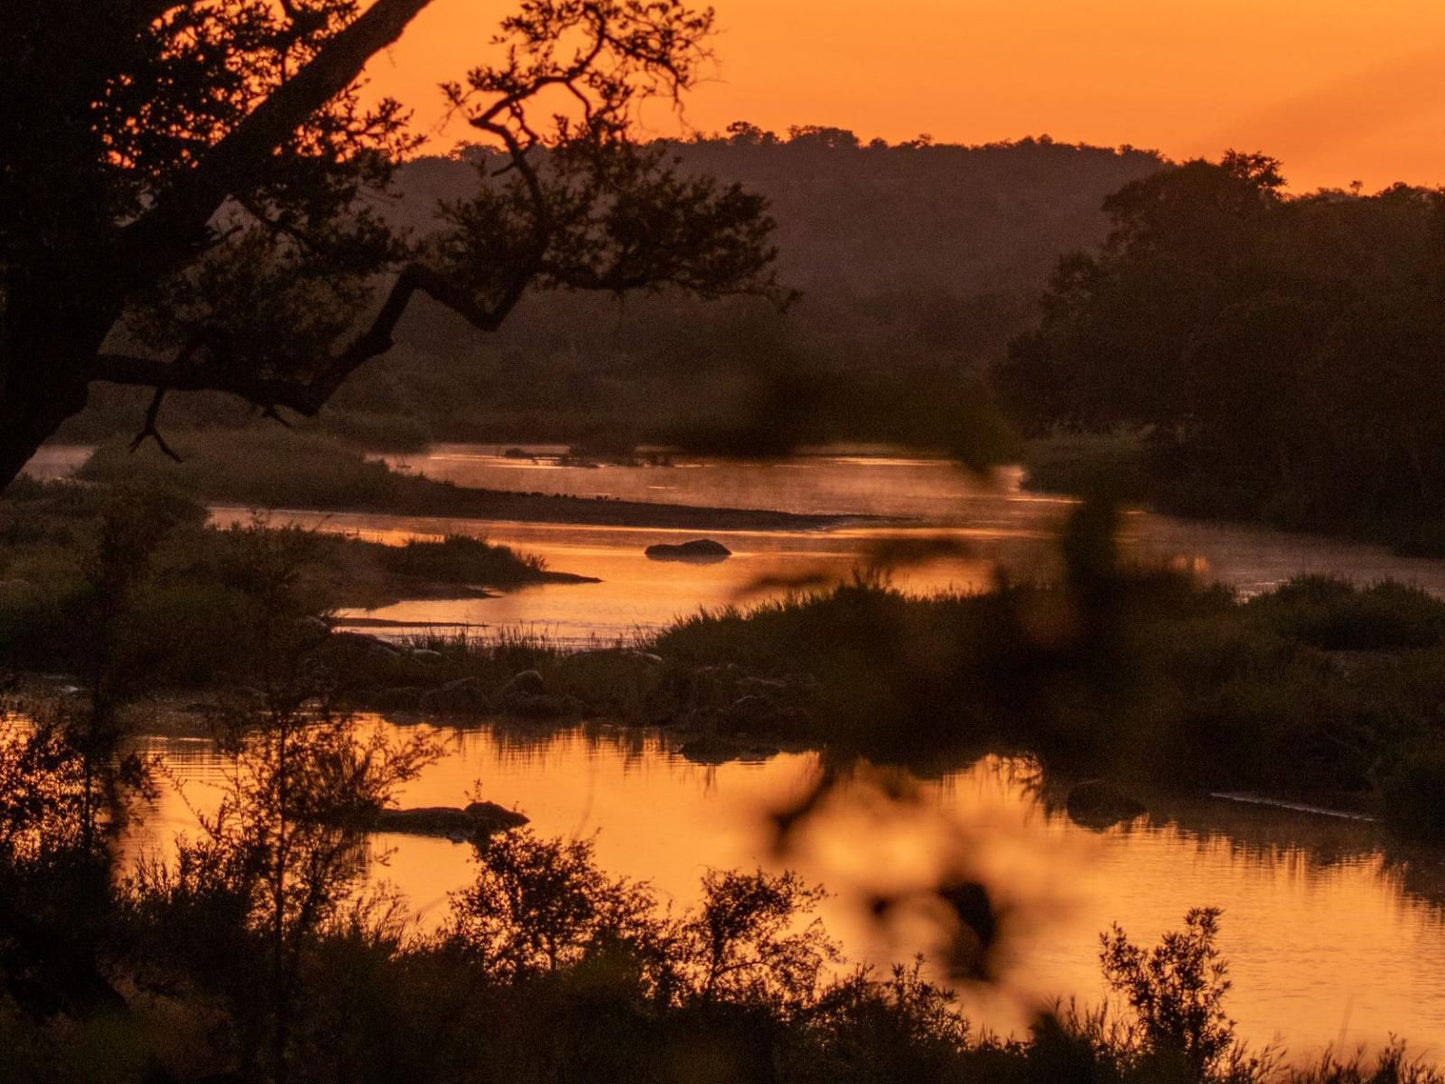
(1097, 805)
(699, 549)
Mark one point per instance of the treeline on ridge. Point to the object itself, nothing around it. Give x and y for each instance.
(1276, 357)
(916, 263)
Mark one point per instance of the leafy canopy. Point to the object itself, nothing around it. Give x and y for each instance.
(189, 190)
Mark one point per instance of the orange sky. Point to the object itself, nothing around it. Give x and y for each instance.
(1339, 90)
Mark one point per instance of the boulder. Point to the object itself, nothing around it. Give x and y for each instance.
(490, 813)
(702, 550)
(425, 654)
(757, 752)
(527, 683)
(539, 706)
(526, 695)
(464, 696)
(395, 698)
(1097, 805)
(703, 720)
(363, 641)
(710, 749)
(752, 711)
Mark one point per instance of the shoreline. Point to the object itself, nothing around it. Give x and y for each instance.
(519, 507)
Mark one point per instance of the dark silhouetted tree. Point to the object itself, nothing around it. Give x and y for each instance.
(1282, 352)
(184, 192)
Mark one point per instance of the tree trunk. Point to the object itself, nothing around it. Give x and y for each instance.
(29, 417)
(54, 323)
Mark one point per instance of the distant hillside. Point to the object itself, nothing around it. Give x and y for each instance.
(912, 260)
(866, 220)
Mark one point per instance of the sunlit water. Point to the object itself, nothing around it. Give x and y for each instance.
(1330, 940)
(1332, 937)
(993, 525)
(57, 461)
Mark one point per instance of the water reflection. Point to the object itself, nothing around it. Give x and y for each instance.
(53, 461)
(1332, 934)
(994, 526)
(825, 482)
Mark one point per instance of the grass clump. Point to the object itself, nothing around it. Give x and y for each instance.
(1412, 790)
(259, 468)
(1333, 615)
(459, 559)
(1320, 690)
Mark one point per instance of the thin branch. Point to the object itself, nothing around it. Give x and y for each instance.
(307, 397)
(150, 430)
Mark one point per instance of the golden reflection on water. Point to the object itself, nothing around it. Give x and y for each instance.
(1332, 937)
(1329, 939)
(994, 526)
(824, 482)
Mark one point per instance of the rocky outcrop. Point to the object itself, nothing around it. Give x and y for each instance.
(526, 695)
(465, 696)
(701, 550)
(712, 749)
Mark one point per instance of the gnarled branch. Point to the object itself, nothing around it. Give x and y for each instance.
(167, 235)
(209, 367)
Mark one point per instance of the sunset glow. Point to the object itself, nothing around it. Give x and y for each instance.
(1339, 91)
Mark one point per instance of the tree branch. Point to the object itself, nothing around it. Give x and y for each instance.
(308, 396)
(150, 430)
(171, 232)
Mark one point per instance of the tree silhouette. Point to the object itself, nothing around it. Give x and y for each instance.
(185, 189)
(1281, 352)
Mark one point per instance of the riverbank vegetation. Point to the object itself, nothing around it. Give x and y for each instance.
(253, 952)
(1274, 356)
(189, 611)
(270, 467)
(1318, 691)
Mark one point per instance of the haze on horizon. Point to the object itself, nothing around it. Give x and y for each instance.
(1340, 91)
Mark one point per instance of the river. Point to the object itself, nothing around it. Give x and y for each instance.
(990, 525)
(1335, 935)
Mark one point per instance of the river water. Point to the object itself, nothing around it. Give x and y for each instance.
(1335, 934)
(989, 525)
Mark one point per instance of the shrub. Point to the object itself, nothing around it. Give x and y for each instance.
(459, 559)
(1331, 614)
(1176, 989)
(1413, 791)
